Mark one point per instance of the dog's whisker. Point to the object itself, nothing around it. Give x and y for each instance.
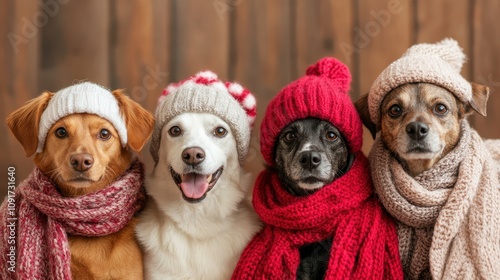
(110, 170)
(110, 173)
(340, 173)
(53, 174)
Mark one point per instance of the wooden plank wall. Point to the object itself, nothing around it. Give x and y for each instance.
(142, 45)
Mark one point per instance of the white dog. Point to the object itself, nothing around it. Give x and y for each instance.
(198, 219)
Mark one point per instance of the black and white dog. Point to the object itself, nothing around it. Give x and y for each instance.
(311, 153)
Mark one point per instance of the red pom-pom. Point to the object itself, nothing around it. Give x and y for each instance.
(334, 69)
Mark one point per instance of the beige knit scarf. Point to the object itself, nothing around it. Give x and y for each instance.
(449, 215)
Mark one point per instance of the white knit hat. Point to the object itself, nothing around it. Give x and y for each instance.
(438, 63)
(85, 97)
(205, 93)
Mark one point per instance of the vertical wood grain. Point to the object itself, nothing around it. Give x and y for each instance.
(383, 34)
(75, 45)
(437, 20)
(19, 58)
(486, 61)
(322, 28)
(262, 57)
(140, 52)
(200, 39)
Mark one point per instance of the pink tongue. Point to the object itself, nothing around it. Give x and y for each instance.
(194, 185)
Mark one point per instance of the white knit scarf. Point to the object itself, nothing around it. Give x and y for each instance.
(449, 215)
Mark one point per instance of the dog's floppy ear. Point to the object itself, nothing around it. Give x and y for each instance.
(362, 108)
(139, 121)
(24, 122)
(480, 95)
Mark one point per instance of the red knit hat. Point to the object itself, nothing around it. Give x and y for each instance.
(323, 94)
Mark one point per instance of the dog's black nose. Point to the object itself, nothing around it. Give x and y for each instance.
(193, 155)
(417, 130)
(81, 162)
(309, 160)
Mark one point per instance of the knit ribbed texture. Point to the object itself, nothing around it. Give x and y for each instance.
(205, 93)
(449, 219)
(85, 97)
(364, 237)
(438, 64)
(493, 146)
(45, 218)
(323, 94)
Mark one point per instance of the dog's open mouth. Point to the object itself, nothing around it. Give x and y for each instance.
(194, 186)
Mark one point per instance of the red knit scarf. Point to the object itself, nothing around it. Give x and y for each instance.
(364, 238)
(44, 218)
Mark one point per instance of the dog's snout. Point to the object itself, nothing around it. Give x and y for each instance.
(193, 155)
(81, 162)
(309, 159)
(417, 130)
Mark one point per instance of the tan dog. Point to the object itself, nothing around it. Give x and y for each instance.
(83, 154)
(420, 122)
(434, 173)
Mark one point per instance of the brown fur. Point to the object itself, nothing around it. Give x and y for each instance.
(115, 256)
(418, 101)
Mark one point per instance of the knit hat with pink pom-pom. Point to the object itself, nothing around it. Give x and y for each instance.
(438, 64)
(322, 94)
(205, 93)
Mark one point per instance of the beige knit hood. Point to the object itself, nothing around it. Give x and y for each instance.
(438, 64)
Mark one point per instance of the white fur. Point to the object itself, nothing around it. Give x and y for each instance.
(202, 240)
(306, 147)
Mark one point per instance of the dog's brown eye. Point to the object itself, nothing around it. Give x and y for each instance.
(290, 136)
(175, 131)
(440, 109)
(104, 134)
(331, 136)
(220, 132)
(395, 111)
(61, 132)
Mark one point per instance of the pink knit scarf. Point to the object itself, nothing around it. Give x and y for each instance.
(449, 218)
(364, 238)
(44, 218)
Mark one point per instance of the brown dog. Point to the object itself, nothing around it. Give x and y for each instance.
(83, 154)
(420, 122)
(433, 173)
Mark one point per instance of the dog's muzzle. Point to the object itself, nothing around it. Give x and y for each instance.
(194, 186)
(417, 130)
